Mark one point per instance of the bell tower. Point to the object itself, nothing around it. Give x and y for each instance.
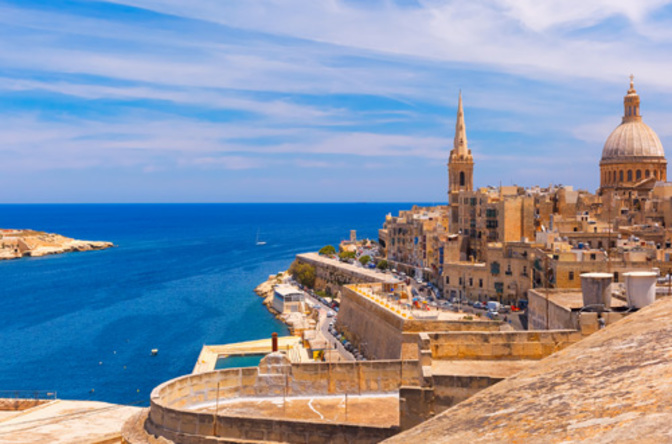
(460, 162)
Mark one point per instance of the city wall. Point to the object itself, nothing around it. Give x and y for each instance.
(173, 413)
(442, 391)
(331, 275)
(382, 334)
(500, 345)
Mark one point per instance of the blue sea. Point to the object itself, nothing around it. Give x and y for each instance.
(83, 324)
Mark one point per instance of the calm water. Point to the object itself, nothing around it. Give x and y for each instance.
(83, 324)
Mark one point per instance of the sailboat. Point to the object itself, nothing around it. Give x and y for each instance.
(259, 242)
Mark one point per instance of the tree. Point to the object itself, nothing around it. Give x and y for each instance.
(327, 250)
(344, 256)
(365, 259)
(303, 273)
(382, 265)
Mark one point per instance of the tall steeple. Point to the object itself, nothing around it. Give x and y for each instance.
(460, 162)
(460, 143)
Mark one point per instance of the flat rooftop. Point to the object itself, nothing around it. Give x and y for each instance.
(572, 299)
(368, 410)
(491, 368)
(207, 359)
(375, 294)
(65, 422)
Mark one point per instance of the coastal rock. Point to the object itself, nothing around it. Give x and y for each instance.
(22, 243)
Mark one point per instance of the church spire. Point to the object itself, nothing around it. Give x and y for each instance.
(631, 103)
(460, 143)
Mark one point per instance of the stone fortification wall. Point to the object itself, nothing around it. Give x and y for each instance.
(331, 275)
(382, 334)
(500, 345)
(376, 330)
(173, 413)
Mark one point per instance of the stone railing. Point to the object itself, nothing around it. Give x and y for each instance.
(176, 411)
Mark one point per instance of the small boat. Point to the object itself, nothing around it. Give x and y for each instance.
(155, 351)
(259, 242)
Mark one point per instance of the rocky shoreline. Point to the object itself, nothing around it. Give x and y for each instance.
(15, 244)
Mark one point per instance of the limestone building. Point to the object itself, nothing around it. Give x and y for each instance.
(633, 155)
(460, 163)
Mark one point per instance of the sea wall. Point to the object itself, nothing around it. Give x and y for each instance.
(331, 274)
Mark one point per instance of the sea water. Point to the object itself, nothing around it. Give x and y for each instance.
(84, 324)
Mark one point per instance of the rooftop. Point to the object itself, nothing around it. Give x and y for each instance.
(614, 386)
(571, 299)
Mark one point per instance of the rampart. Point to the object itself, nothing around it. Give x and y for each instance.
(331, 274)
(383, 334)
(500, 345)
(457, 365)
(176, 411)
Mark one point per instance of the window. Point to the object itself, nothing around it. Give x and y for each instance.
(638, 174)
(524, 270)
(462, 180)
(494, 268)
(447, 280)
(629, 175)
(571, 276)
(647, 173)
(499, 287)
(616, 276)
(620, 175)
(471, 282)
(480, 283)
(592, 256)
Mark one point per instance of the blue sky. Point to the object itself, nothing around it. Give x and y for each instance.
(316, 101)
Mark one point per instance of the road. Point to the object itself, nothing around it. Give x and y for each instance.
(323, 327)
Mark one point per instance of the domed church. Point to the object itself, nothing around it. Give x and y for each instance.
(633, 156)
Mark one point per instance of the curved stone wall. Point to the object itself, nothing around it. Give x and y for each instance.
(174, 415)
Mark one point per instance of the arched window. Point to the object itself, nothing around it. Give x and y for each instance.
(629, 175)
(462, 178)
(620, 175)
(638, 174)
(647, 173)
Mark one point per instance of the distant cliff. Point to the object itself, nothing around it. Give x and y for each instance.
(21, 243)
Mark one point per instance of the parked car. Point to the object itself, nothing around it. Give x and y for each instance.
(331, 314)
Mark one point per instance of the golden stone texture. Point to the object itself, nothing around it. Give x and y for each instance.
(614, 386)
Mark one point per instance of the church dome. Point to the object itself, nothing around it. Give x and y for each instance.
(632, 140)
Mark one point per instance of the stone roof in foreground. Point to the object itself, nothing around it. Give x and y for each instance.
(614, 386)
